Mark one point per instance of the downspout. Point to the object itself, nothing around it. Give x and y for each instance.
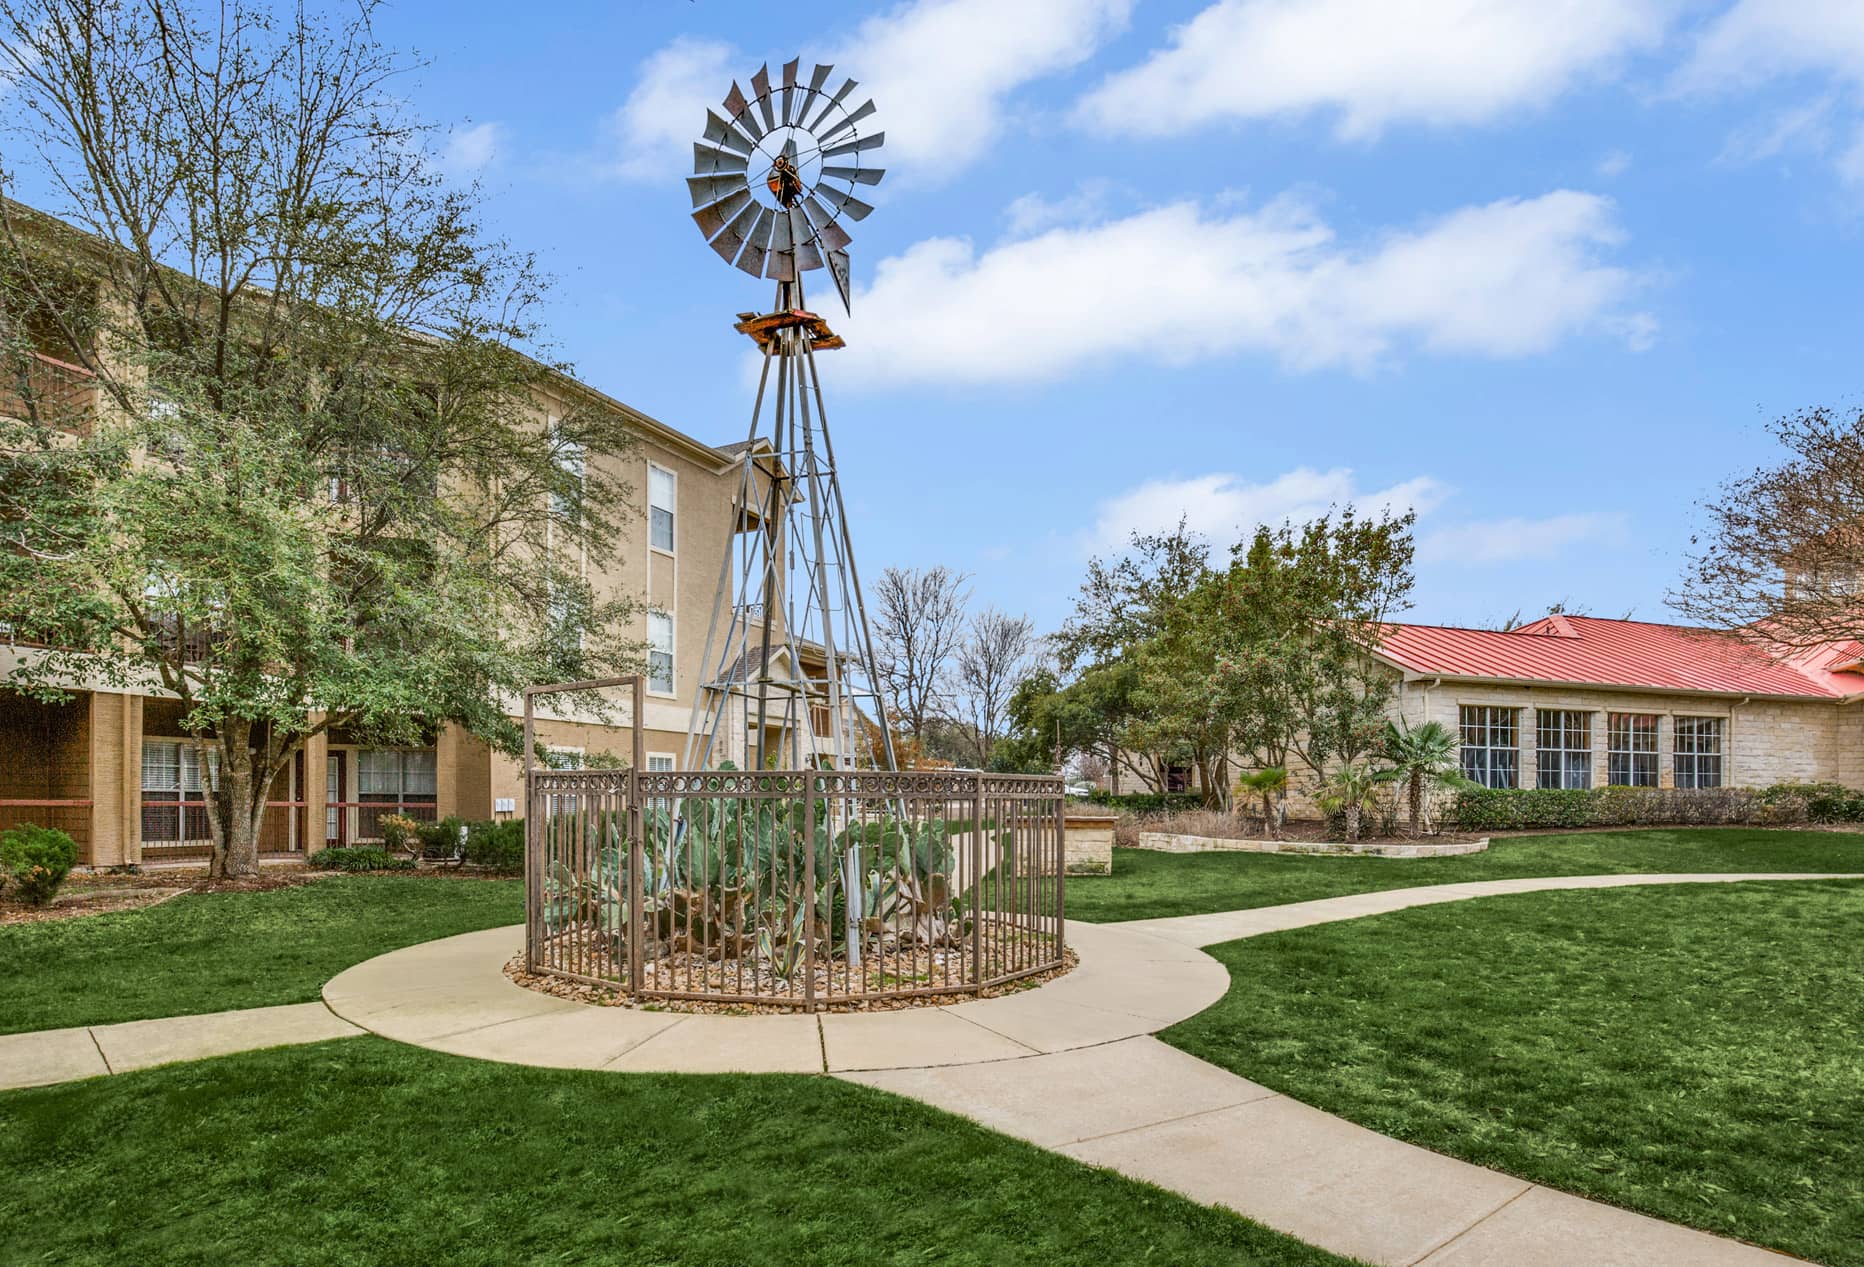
(1729, 779)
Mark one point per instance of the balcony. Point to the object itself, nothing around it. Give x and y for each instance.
(64, 394)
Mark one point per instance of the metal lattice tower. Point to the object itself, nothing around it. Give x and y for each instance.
(788, 660)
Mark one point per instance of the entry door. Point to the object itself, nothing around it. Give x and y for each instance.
(334, 813)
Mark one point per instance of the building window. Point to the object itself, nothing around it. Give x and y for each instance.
(563, 758)
(662, 494)
(1631, 749)
(572, 464)
(658, 762)
(393, 781)
(174, 796)
(1491, 745)
(1698, 751)
(660, 653)
(1563, 748)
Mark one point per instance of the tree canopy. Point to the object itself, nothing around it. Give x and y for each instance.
(291, 446)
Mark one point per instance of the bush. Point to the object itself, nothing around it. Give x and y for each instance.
(36, 860)
(1518, 809)
(442, 839)
(359, 858)
(400, 834)
(496, 845)
(1148, 802)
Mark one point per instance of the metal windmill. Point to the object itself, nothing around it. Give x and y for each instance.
(773, 180)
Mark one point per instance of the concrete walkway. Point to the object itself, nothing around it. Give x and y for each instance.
(41, 1057)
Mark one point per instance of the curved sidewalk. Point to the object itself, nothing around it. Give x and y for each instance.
(1072, 1066)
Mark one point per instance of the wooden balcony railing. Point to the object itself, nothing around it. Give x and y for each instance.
(65, 395)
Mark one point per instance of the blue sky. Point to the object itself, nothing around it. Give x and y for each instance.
(1541, 268)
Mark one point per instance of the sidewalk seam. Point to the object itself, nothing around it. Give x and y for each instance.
(91, 1032)
(1434, 1250)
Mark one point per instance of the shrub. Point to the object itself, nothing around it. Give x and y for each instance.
(1148, 802)
(360, 858)
(1516, 809)
(36, 860)
(496, 845)
(441, 839)
(400, 834)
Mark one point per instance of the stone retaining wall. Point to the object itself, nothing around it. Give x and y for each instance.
(1171, 842)
(1088, 843)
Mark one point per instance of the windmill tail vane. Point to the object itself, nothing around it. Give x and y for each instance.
(789, 656)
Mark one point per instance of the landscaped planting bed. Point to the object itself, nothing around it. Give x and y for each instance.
(1151, 885)
(1688, 1051)
(367, 1151)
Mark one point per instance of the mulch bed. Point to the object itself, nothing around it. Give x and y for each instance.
(917, 965)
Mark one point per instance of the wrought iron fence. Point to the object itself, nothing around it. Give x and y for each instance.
(794, 888)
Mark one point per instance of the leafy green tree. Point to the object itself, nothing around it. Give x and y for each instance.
(300, 475)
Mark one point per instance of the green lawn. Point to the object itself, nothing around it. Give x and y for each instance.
(213, 952)
(1691, 1052)
(367, 1151)
(1145, 885)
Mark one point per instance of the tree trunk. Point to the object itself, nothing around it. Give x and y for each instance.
(1416, 790)
(1352, 824)
(236, 807)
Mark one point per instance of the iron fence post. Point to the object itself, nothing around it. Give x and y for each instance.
(978, 974)
(809, 893)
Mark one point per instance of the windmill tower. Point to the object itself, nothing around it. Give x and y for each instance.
(788, 677)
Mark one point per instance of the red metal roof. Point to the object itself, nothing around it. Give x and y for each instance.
(1589, 651)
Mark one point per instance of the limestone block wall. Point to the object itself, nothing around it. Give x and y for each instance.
(1087, 843)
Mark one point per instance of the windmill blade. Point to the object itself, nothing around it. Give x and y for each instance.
(728, 242)
(872, 142)
(833, 101)
(709, 189)
(839, 270)
(819, 77)
(721, 133)
(832, 237)
(801, 231)
(846, 204)
(740, 112)
(789, 89)
(781, 262)
(862, 111)
(708, 161)
(713, 219)
(863, 175)
(752, 261)
(760, 84)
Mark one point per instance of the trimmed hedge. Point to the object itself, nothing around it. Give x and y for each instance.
(1148, 802)
(359, 858)
(1515, 809)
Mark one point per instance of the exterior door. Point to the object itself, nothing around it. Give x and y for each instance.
(334, 814)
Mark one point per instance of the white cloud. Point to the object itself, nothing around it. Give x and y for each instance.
(469, 150)
(941, 71)
(1371, 62)
(655, 127)
(1614, 163)
(1032, 213)
(1180, 283)
(1515, 539)
(1759, 41)
(1224, 508)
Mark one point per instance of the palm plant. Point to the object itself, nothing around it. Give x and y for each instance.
(1352, 790)
(1421, 757)
(1267, 785)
